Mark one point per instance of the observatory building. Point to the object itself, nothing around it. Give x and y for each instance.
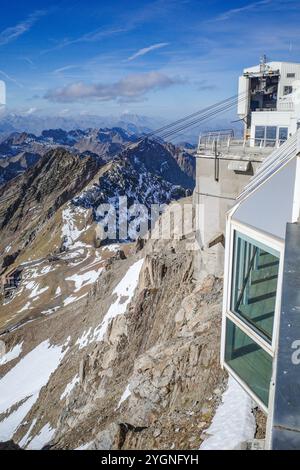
(269, 102)
(261, 308)
(247, 200)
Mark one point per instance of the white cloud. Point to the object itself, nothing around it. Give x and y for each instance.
(227, 15)
(13, 32)
(11, 79)
(146, 50)
(92, 36)
(129, 88)
(64, 69)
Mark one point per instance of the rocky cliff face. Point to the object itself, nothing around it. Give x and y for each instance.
(130, 364)
(21, 151)
(146, 174)
(29, 201)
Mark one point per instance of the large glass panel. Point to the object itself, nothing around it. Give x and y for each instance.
(282, 134)
(254, 284)
(249, 361)
(271, 132)
(260, 135)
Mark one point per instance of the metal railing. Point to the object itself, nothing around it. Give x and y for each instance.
(216, 141)
(285, 106)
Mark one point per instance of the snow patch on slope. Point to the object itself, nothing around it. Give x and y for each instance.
(126, 394)
(83, 341)
(12, 354)
(26, 437)
(233, 422)
(71, 299)
(84, 446)
(69, 230)
(84, 279)
(22, 384)
(10, 424)
(124, 292)
(42, 438)
(70, 387)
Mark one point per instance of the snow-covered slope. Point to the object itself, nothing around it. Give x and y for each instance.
(233, 423)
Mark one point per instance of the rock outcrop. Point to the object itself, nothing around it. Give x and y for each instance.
(147, 377)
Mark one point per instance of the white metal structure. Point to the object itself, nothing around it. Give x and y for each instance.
(271, 110)
(254, 256)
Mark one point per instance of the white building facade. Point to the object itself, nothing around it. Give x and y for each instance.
(269, 102)
(248, 192)
(253, 278)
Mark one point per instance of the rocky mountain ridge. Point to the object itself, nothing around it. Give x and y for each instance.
(20, 151)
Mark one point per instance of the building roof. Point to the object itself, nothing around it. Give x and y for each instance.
(272, 66)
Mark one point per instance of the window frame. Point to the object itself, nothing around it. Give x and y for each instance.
(287, 133)
(239, 379)
(288, 90)
(237, 234)
(276, 244)
(259, 140)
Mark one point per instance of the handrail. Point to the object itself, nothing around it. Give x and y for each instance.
(209, 142)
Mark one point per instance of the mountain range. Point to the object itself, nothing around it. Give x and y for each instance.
(35, 123)
(20, 151)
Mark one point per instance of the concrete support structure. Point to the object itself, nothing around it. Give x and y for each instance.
(219, 180)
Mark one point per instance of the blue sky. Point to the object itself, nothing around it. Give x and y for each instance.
(159, 58)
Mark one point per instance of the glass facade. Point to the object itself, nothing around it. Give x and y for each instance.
(249, 361)
(254, 284)
(271, 133)
(260, 135)
(254, 279)
(269, 136)
(283, 134)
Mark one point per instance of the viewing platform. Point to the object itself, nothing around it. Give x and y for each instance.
(223, 144)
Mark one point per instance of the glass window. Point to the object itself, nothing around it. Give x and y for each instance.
(282, 134)
(287, 90)
(249, 361)
(271, 132)
(291, 75)
(254, 284)
(260, 135)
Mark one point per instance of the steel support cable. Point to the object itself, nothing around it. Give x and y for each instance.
(212, 113)
(199, 120)
(201, 111)
(196, 125)
(202, 118)
(232, 101)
